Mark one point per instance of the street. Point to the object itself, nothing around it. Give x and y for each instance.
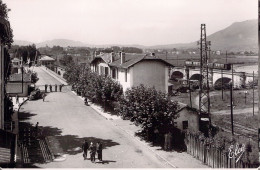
(65, 116)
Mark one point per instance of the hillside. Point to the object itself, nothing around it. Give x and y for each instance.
(61, 42)
(240, 36)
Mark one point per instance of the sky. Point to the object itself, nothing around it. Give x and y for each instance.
(143, 22)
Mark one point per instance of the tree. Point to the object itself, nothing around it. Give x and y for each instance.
(4, 14)
(66, 60)
(152, 109)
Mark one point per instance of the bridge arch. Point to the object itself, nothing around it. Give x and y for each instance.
(218, 83)
(196, 77)
(177, 75)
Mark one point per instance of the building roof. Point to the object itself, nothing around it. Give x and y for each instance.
(106, 57)
(132, 59)
(46, 58)
(185, 106)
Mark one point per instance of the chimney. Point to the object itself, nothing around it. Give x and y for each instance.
(122, 57)
(112, 57)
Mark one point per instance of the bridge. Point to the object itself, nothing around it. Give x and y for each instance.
(192, 72)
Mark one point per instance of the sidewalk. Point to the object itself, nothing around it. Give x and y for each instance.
(55, 75)
(175, 159)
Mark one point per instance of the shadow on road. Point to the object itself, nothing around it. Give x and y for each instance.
(68, 144)
(25, 116)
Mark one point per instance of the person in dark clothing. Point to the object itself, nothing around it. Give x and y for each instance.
(43, 96)
(46, 86)
(56, 87)
(86, 101)
(50, 87)
(36, 129)
(92, 149)
(85, 149)
(99, 151)
(61, 87)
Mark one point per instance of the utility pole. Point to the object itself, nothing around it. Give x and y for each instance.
(190, 94)
(231, 107)
(226, 57)
(222, 84)
(253, 93)
(232, 81)
(204, 105)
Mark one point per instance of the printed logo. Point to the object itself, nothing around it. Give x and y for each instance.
(236, 151)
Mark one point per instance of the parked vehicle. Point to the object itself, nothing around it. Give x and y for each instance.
(36, 94)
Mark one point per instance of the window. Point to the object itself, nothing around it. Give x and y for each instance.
(125, 75)
(106, 71)
(114, 73)
(185, 125)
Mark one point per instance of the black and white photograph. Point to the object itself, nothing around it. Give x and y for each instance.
(129, 84)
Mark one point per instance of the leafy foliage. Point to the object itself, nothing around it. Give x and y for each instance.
(152, 109)
(4, 14)
(98, 88)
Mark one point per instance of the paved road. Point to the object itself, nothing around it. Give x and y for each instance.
(65, 116)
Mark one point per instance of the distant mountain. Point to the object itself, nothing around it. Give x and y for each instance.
(61, 42)
(240, 36)
(22, 43)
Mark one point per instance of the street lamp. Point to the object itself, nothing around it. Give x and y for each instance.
(245, 95)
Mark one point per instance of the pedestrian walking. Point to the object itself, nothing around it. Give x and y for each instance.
(99, 151)
(46, 86)
(36, 129)
(55, 87)
(50, 87)
(17, 99)
(43, 96)
(61, 87)
(85, 149)
(92, 149)
(86, 101)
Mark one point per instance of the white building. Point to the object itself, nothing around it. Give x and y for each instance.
(133, 69)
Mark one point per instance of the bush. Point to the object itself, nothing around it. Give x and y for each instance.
(151, 109)
(98, 88)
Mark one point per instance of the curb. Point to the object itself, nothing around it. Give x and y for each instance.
(100, 113)
(137, 139)
(60, 79)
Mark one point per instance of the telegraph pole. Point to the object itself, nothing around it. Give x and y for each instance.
(232, 81)
(253, 93)
(231, 107)
(222, 84)
(204, 105)
(226, 57)
(190, 94)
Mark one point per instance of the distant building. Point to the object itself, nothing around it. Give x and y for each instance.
(47, 61)
(188, 118)
(16, 63)
(100, 62)
(18, 85)
(218, 52)
(133, 69)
